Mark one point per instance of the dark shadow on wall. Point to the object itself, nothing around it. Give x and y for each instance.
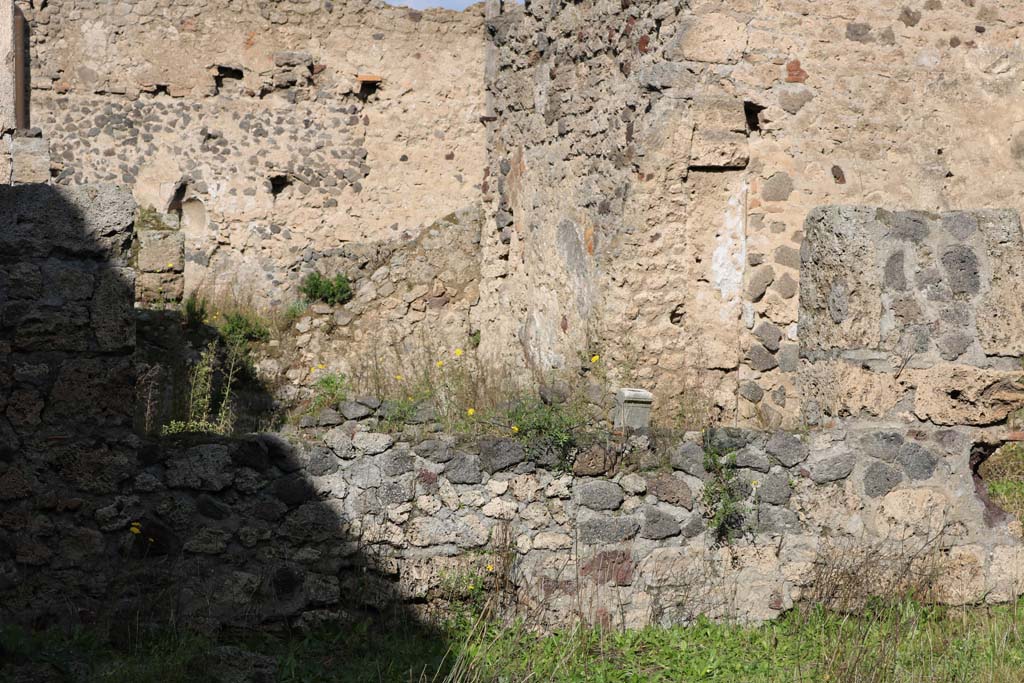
(125, 535)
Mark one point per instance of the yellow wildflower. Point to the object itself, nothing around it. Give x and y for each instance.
(595, 358)
(515, 429)
(321, 366)
(151, 540)
(170, 265)
(398, 378)
(135, 530)
(755, 483)
(458, 352)
(471, 587)
(440, 363)
(490, 567)
(471, 412)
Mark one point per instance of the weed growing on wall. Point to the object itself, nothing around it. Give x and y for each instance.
(723, 498)
(330, 388)
(293, 312)
(149, 218)
(547, 430)
(334, 291)
(196, 311)
(453, 386)
(208, 411)
(1003, 473)
(241, 328)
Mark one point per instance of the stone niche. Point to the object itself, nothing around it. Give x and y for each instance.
(911, 316)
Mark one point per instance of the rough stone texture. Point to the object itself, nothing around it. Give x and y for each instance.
(658, 524)
(238, 532)
(599, 495)
(889, 299)
(670, 488)
(647, 167)
(880, 478)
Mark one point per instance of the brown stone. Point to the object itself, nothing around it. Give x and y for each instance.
(670, 488)
(593, 462)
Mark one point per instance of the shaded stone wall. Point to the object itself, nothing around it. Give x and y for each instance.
(67, 392)
(652, 166)
(244, 123)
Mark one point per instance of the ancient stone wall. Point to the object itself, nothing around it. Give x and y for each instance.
(66, 373)
(270, 135)
(336, 521)
(659, 179)
(653, 163)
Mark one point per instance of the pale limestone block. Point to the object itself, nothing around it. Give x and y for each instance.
(716, 38)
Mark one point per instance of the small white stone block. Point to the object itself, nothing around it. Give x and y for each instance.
(633, 409)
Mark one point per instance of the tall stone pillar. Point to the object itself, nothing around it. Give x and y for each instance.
(7, 107)
(7, 67)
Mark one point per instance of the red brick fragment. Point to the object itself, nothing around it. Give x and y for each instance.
(795, 73)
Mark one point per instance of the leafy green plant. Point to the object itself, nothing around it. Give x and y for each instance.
(241, 328)
(723, 498)
(196, 311)
(334, 291)
(1003, 473)
(546, 429)
(208, 413)
(329, 389)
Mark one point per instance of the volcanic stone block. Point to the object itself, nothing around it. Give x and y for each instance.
(789, 449)
(599, 494)
(658, 524)
(670, 488)
(605, 529)
(161, 251)
(775, 489)
(880, 478)
(500, 454)
(832, 469)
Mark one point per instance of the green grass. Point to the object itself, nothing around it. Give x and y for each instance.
(902, 643)
(905, 642)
